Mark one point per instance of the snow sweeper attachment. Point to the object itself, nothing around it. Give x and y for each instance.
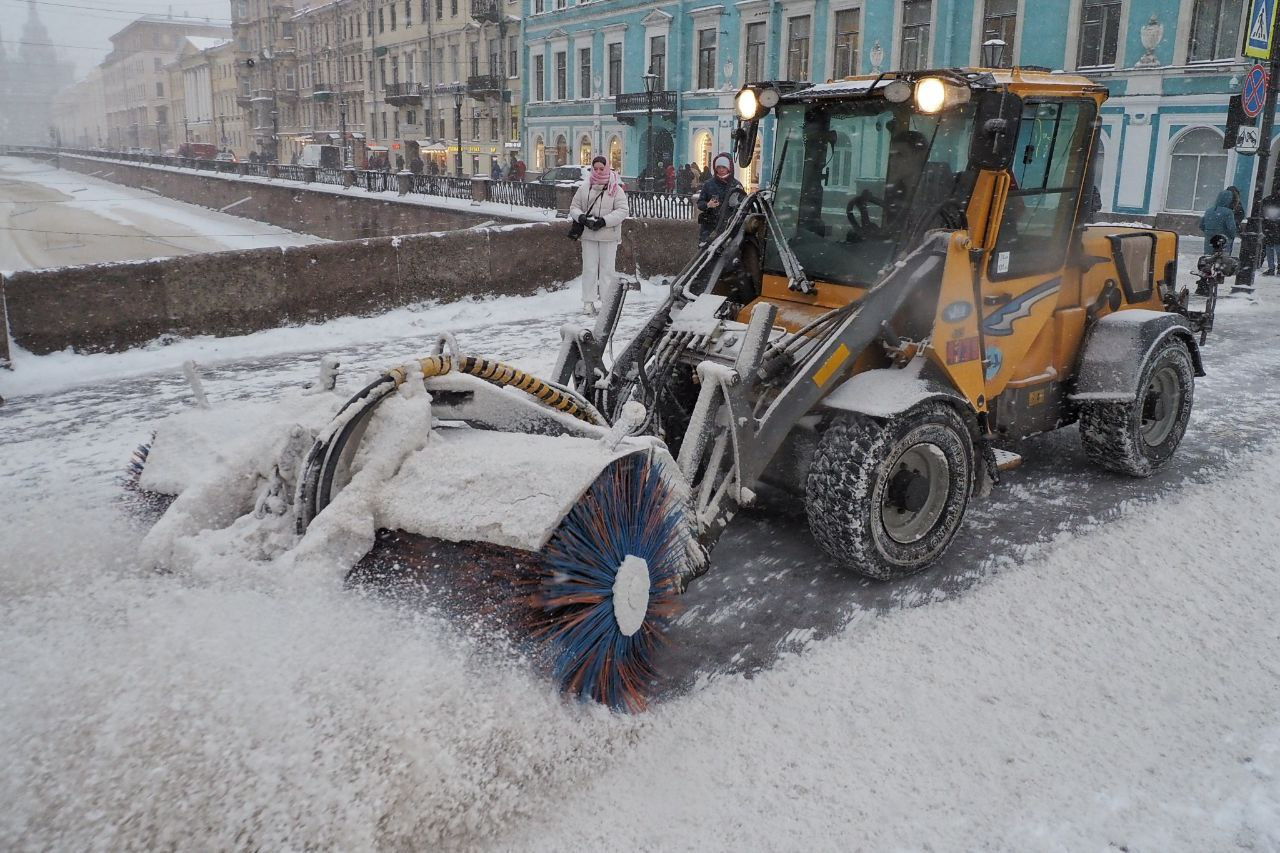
(913, 291)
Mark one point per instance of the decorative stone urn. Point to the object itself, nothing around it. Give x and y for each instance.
(1152, 35)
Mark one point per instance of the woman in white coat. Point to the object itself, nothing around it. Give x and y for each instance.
(600, 206)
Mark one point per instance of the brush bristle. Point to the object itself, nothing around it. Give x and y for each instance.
(629, 510)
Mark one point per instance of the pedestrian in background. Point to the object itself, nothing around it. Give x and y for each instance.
(517, 170)
(495, 171)
(1237, 208)
(1271, 231)
(713, 195)
(1221, 219)
(670, 176)
(600, 206)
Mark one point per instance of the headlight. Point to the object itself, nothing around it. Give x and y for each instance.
(748, 104)
(934, 94)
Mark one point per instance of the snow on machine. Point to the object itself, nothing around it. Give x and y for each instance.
(914, 289)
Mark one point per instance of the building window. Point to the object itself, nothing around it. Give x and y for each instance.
(798, 48)
(1000, 21)
(453, 8)
(753, 58)
(916, 15)
(562, 74)
(539, 6)
(1215, 30)
(408, 13)
(393, 17)
(1099, 33)
(515, 128)
(562, 151)
(475, 127)
(513, 56)
(658, 62)
(539, 154)
(539, 78)
(848, 24)
(706, 59)
(439, 9)
(381, 22)
(615, 153)
(584, 72)
(159, 89)
(157, 63)
(615, 68)
(1197, 171)
(584, 151)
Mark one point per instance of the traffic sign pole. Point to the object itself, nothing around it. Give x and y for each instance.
(1250, 241)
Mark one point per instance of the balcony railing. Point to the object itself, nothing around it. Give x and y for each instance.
(629, 106)
(486, 11)
(484, 84)
(402, 93)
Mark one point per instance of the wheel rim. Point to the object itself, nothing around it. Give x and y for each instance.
(1160, 406)
(915, 493)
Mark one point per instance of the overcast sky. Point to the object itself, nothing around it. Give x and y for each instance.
(81, 29)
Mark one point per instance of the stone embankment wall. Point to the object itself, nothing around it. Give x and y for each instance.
(112, 307)
(324, 211)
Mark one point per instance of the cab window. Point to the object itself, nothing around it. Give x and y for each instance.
(1052, 153)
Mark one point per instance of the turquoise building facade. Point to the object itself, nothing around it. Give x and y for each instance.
(1170, 65)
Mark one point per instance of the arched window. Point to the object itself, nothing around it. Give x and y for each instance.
(702, 144)
(562, 151)
(1197, 170)
(615, 154)
(539, 154)
(584, 151)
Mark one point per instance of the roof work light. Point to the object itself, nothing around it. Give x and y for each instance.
(934, 94)
(754, 102)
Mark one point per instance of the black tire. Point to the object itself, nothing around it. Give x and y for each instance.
(886, 498)
(1138, 436)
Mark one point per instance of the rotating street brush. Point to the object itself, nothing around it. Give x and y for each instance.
(608, 584)
(594, 602)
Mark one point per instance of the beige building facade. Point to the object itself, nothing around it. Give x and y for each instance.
(136, 79)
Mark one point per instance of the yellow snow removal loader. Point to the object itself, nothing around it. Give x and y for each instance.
(913, 288)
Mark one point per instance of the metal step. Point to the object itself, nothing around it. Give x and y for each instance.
(1007, 460)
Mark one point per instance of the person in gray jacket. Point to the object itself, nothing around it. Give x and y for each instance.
(600, 206)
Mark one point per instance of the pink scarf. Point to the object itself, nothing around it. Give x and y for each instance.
(610, 180)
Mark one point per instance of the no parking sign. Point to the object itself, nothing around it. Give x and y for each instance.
(1254, 94)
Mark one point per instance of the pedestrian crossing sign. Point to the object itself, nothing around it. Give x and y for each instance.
(1261, 28)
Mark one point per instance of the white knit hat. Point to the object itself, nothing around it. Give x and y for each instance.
(722, 159)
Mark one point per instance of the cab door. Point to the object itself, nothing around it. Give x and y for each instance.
(1024, 278)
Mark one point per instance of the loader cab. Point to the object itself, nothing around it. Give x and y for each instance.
(861, 180)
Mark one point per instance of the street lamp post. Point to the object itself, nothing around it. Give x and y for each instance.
(159, 144)
(275, 136)
(186, 128)
(222, 122)
(457, 120)
(650, 82)
(342, 132)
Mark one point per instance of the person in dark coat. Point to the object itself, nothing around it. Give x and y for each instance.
(1237, 207)
(495, 171)
(1221, 219)
(684, 181)
(416, 165)
(713, 195)
(1271, 231)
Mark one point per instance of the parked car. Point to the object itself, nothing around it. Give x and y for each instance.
(225, 157)
(565, 175)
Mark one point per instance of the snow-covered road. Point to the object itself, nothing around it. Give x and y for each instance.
(1092, 666)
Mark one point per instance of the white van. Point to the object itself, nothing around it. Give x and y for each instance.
(321, 156)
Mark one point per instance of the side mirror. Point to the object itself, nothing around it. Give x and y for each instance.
(744, 142)
(995, 132)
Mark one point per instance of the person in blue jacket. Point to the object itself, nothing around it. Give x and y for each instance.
(1221, 219)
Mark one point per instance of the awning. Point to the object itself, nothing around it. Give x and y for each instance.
(355, 135)
(434, 148)
(375, 148)
(335, 136)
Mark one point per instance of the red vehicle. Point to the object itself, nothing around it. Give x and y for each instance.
(198, 150)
